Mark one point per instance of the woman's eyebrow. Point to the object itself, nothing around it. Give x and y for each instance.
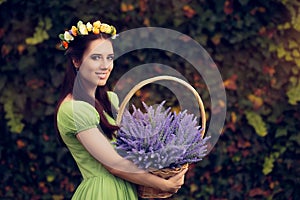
(110, 54)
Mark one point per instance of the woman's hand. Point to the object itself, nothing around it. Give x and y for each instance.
(174, 183)
(100, 148)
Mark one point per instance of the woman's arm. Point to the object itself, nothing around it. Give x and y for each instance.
(100, 148)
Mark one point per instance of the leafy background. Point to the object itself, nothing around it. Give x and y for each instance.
(255, 45)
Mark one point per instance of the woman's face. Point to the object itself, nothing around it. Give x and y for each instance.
(97, 63)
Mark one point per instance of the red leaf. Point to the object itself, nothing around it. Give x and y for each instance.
(228, 7)
(46, 137)
(269, 70)
(188, 11)
(257, 192)
(20, 144)
(243, 144)
(143, 5)
(2, 32)
(232, 148)
(35, 83)
(231, 82)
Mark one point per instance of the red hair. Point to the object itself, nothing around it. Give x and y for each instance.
(101, 102)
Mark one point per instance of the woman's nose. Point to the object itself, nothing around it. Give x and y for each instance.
(105, 64)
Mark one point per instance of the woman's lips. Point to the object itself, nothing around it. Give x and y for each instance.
(101, 75)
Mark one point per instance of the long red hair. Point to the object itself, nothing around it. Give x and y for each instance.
(101, 102)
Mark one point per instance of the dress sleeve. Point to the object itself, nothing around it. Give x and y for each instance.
(114, 99)
(76, 116)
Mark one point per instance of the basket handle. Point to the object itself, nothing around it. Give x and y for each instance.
(158, 78)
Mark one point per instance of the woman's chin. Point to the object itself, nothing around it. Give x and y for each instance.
(102, 82)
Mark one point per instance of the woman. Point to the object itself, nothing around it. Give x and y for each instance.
(84, 119)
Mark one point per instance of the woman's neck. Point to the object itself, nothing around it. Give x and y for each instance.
(83, 90)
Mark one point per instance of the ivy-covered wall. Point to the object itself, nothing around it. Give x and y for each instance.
(255, 44)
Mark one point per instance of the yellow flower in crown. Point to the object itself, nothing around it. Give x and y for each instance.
(105, 28)
(74, 31)
(97, 24)
(96, 27)
(82, 28)
(114, 30)
(68, 37)
(89, 26)
(79, 23)
(96, 30)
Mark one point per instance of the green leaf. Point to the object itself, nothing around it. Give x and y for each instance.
(296, 138)
(293, 94)
(50, 178)
(269, 161)
(297, 61)
(280, 52)
(268, 164)
(293, 44)
(295, 71)
(257, 123)
(61, 36)
(14, 120)
(40, 33)
(280, 132)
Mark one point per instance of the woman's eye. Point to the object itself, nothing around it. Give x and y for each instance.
(96, 57)
(110, 57)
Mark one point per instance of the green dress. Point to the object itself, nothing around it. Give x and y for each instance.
(98, 183)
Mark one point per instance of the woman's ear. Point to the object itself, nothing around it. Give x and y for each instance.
(76, 63)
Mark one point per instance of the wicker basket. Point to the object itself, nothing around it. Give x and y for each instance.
(148, 192)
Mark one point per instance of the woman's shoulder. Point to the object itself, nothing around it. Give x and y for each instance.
(72, 105)
(73, 109)
(113, 97)
(75, 116)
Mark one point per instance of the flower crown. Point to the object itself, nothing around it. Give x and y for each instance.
(84, 29)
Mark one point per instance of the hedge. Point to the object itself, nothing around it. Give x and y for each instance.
(255, 45)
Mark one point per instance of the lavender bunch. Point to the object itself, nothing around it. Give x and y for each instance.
(159, 138)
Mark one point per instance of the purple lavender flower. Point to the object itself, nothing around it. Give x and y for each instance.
(159, 138)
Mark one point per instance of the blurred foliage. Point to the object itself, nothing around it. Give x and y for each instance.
(255, 44)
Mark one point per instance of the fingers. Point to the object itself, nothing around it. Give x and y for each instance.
(177, 181)
(180, 175)
(185, 170)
